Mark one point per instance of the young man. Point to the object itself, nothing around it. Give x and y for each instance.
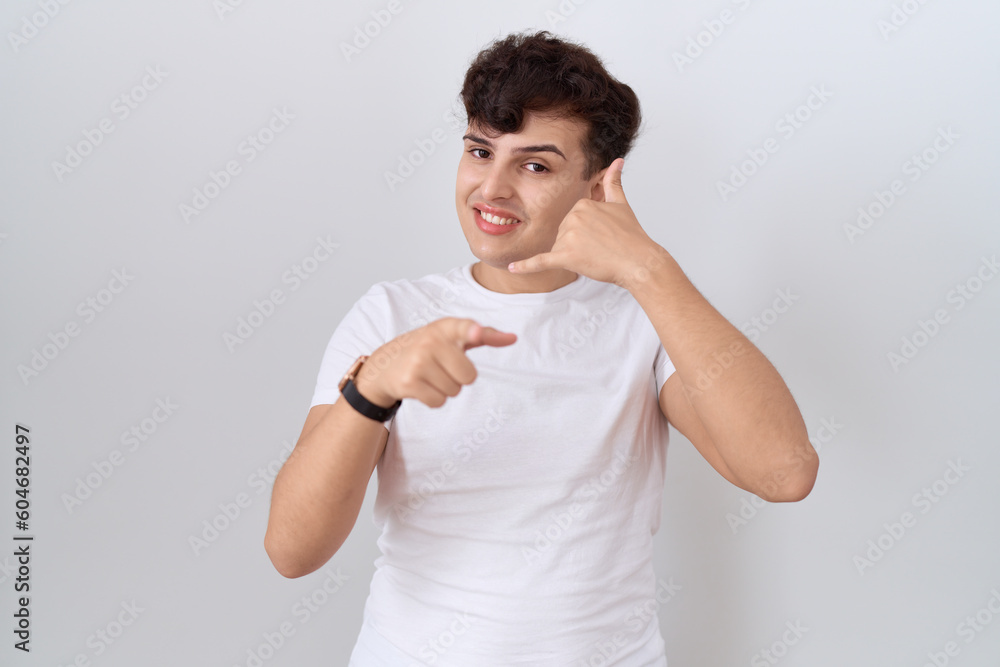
(517, 407)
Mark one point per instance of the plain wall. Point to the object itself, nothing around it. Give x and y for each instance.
(889, 83)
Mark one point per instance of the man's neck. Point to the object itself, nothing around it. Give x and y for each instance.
(505, 282)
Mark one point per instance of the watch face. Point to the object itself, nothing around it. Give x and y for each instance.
(352, 371)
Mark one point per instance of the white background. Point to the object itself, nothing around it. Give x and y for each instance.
(744, 571)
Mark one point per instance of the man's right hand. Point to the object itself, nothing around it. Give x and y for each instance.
(427, 363)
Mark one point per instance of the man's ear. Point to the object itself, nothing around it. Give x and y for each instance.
(597, 185)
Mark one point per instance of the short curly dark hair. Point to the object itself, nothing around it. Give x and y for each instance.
(555, 77)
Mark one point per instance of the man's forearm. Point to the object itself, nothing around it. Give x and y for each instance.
(319, 490)
(744, 404)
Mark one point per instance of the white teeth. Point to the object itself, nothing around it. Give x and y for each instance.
(496, 220)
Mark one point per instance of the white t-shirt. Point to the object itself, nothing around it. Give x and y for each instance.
(517, 519)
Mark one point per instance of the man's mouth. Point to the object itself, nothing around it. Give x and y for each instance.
(496, 219)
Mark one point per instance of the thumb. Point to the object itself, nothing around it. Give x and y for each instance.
(613, 191)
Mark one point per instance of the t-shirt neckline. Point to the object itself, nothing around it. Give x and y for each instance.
(528, 298)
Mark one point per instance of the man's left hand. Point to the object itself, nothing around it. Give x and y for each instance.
(602, 240)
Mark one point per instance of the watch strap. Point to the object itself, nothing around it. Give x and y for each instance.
(366, 407)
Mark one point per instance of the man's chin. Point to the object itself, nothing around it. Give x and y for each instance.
(498, 262)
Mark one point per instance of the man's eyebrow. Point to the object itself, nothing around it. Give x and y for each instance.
(540, 148)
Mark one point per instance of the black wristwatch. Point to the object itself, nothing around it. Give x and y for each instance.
(359, 402)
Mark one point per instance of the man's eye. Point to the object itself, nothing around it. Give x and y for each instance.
(476, 152)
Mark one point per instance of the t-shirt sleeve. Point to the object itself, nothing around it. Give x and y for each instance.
(663, 368)
(360, 331)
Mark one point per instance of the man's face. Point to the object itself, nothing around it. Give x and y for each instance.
(534, 175)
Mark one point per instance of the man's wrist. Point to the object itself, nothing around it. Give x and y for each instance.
(370, 392)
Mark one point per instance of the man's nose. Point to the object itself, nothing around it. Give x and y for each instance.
(497, 184)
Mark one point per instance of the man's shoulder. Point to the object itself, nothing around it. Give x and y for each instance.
(597, 290)
(405, 289)
(435, 279)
